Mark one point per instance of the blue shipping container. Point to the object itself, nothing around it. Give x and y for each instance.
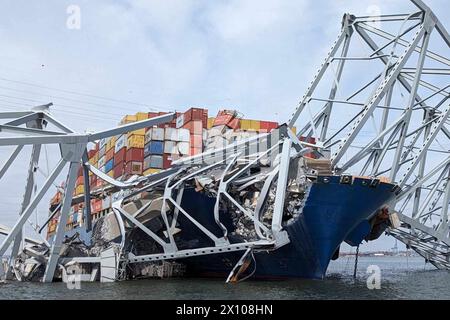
(154, 147)
(109, 165)
(147, 149)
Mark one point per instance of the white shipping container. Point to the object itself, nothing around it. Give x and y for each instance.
(170, 134)
(239, 135)
(155, 162)
(148, 136)
(216, 131)
(102, 151)
(102, 169)
(116, 196)
(183, 148)
(106, 202)
(170, 147)
(183, 135)
(102, 143)
(121, 142)
(101, 162)
(180, 121)
(157, 134)
(217, 143)
(80, 217)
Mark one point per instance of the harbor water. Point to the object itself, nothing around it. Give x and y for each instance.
(400, 278)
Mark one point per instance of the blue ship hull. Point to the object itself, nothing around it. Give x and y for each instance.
(333, 212)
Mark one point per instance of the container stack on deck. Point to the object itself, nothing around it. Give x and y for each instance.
(150, 150)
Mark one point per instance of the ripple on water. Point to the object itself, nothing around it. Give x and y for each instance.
(400, 279)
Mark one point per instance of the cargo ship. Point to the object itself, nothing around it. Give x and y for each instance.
(320, 213)
(334, 212)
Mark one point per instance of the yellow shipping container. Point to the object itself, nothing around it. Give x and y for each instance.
(141, 116)
(140, 132)
(294, 130)
(135, 141)
(128, 119)
(210, 122)
(94, 159)
(250, 125)
(79, 189)
(255, 125)
(111, 143)
(245, 124)
(111, 173)
(151, 171)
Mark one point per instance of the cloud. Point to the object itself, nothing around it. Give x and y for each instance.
(247, 20)
(256, 56)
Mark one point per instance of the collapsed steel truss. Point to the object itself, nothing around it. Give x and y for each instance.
(406, 144)
(73, 153)
(397, 117)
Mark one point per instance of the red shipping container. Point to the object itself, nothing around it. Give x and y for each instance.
(93, 180)
(197, 114)
(118, 170)
(194, 127)
(152, 114)
(134, 154)
(120, 156)
(312, 141)
(268, 125)
(91, 153)
(308, 140)
(80, 180)
(167, 160)
(234, 124)
(196, 141)
(92, 205)
(96, 205)
(133, 167)
(167, 125)
(223, 119)
(109, 154)
(195, 151)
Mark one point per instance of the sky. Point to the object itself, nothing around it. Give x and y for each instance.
(128, 56)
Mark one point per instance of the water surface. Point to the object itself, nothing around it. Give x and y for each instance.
(401, 278)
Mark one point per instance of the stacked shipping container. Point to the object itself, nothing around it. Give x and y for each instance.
(147, 151)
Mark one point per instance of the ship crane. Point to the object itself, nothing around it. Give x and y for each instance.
(378, 108)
